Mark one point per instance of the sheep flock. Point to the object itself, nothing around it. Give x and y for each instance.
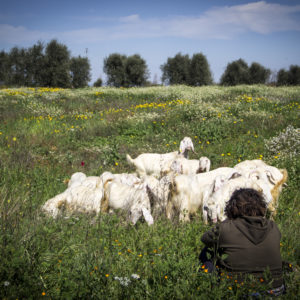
(168, 185)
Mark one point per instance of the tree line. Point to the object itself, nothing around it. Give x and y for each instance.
(53, 66)
(39, 65)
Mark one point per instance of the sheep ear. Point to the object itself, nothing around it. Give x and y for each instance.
(234, 175)
(271, 177)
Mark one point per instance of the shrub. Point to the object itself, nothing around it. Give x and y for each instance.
(98, 82)
(287, 143)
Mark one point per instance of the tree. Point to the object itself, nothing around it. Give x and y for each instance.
(57, 65)
(17, 67)
(114, 68)
(80, 71)
(4, 67)
(98, 82)
(176, 70)
(237, 72)
(258, 74)
(136, 71)
(294, 75)
(282, 77)
(290, 77)
(35, 65)
(200, 73)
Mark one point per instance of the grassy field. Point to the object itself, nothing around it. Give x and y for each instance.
(48, 134)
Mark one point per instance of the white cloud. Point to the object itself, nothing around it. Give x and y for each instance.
(217, 23)
(130, 19)
(19, 34)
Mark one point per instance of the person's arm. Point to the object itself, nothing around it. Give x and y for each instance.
(210, 238)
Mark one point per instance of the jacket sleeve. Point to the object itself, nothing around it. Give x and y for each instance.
(210, 238)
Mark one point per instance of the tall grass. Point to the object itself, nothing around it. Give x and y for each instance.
(48, 134)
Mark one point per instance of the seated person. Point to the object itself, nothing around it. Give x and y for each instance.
(250, 241)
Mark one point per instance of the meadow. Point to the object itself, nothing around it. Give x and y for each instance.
(48, 134)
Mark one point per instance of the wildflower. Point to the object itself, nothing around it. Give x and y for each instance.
(6, 283)
(205, 270)
(116, 163)
(222, 154)
(135, 276)
(261, 280)
(166, 277)
(43, 293)
(203, 266)
(228, 153)
(123, 280)
(14, 138)
(230, 288)
(207, 142)
(82, 163)
(140, 255)
(106, 275)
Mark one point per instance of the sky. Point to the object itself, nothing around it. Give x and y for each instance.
(267, 32)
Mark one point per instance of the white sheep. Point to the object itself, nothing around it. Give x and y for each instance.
(187, 191)
(276, 178)
(155, 163)
(158, 191)
(85, 193)
(181, 165)
(129, 179)
(77, 198)
(214, 203)
(133, 199)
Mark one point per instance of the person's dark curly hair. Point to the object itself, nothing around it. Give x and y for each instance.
(245, 202)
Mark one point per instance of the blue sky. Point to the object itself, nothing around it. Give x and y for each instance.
(267, 32)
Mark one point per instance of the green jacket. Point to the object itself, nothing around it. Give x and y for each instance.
(251, 244)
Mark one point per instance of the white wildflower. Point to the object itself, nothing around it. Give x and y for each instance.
(135, 276)
(6, 283)
(287, 143)
(123, 280)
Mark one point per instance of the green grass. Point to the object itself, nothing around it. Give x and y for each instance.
(46, 134)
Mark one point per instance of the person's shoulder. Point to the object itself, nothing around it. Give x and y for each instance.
(227, 223)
